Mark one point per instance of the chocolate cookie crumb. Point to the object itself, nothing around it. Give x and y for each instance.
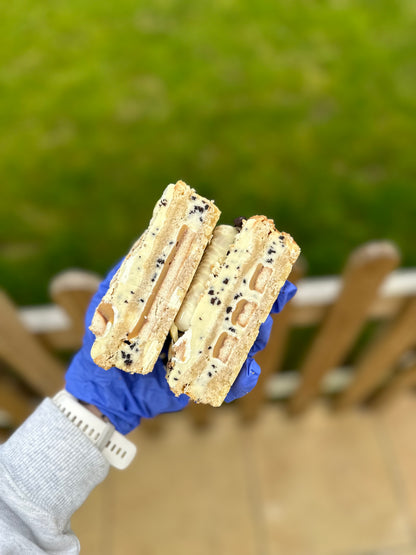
(238, 222)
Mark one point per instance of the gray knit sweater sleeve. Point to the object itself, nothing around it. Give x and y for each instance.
(48, 467)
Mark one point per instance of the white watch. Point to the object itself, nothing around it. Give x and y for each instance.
(117, 449)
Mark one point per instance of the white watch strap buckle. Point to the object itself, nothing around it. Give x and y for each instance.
(117, 449)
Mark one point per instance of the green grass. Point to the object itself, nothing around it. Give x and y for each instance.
(301, 110)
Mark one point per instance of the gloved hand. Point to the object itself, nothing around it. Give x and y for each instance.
(126, 398)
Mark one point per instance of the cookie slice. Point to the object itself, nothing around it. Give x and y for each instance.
(133, 318)
(237, 297)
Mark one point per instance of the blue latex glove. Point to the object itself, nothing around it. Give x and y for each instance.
(126, 398)
(250, 372)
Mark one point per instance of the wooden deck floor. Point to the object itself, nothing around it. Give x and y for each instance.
(320, 484)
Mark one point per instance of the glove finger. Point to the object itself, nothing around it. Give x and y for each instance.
(155, 394)
(245, 381)
(262, 337)
(286, 293)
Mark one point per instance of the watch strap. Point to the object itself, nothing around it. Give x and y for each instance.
(116, 448)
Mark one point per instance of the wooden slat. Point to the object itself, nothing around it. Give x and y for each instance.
(16, 403)
(403, 379)
(310, 305)
(299, 316)
(271, 358)
(72, 290)
(61, 340)
(381, 356)
(282, 386)
(366, 269)
(316, 294)
(25, 354)
(52, 325)
(310, 315)
(200, 414)
(4, 436)
(152, 426)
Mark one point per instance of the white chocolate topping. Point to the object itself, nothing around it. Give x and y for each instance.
(214, 255)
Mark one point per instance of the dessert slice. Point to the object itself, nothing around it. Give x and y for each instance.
(220, 323)
(133, 318)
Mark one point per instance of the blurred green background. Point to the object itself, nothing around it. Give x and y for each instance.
(302, 110)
